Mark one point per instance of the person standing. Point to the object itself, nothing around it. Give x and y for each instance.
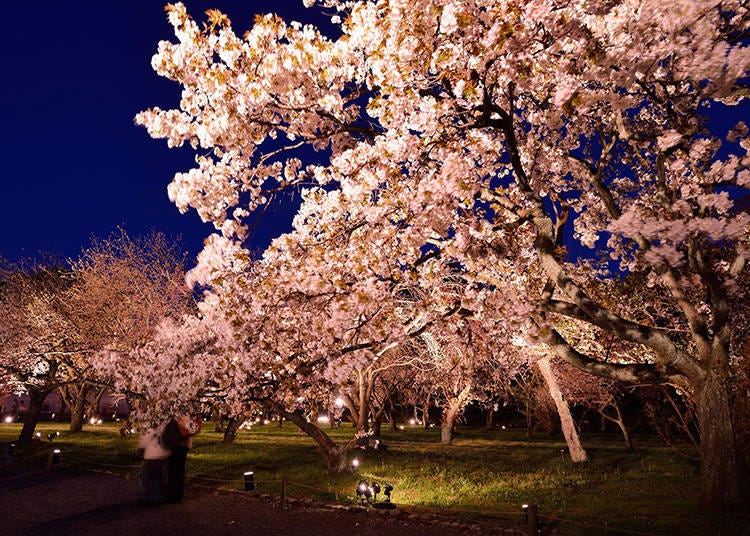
(178, 436)
(154, 467)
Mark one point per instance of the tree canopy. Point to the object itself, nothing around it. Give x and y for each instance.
(537, 151)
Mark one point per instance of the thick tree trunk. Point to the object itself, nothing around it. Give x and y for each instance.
(231, 429)
(336, 455)
(77, 404)
(30, 420)
(577, 452)
(97, 402)
(448, 424)
(723, 479)
(448, 421)
(376, 426)
(392, 420)
(450, 415)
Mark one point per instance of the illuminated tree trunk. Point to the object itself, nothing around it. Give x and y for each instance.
(577, 452)
(336, 455)
(450, 415)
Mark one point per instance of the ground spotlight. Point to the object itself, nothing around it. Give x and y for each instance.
(387, 492)
(364, 492)
(355, 464)
(54, 457)
(9, 419)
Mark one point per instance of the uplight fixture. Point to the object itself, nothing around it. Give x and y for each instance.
(387, 492)
(249, 480)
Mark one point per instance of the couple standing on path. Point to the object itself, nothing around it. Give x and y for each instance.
(165, 450)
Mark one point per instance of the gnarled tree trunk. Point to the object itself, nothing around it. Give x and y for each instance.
(336, 455)
(450, 415)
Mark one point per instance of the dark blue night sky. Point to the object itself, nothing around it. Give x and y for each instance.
(74, 163)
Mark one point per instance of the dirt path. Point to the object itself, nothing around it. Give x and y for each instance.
(66, 501)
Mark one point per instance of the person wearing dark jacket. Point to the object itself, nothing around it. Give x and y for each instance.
(178, 437)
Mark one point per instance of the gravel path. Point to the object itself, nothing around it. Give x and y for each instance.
(65, 501)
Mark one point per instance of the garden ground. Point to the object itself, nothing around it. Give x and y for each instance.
(65, 501)
(480, 480)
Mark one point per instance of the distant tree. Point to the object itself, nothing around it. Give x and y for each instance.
(61, 321)
(125, 286)
(41, 348)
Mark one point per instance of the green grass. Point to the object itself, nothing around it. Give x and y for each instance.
(483, 474)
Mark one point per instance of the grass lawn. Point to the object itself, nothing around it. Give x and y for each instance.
(653, 489)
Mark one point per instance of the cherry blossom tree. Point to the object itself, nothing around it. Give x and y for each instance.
(61, 324)
(494, 134)
(41, 350)
(125, 287)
